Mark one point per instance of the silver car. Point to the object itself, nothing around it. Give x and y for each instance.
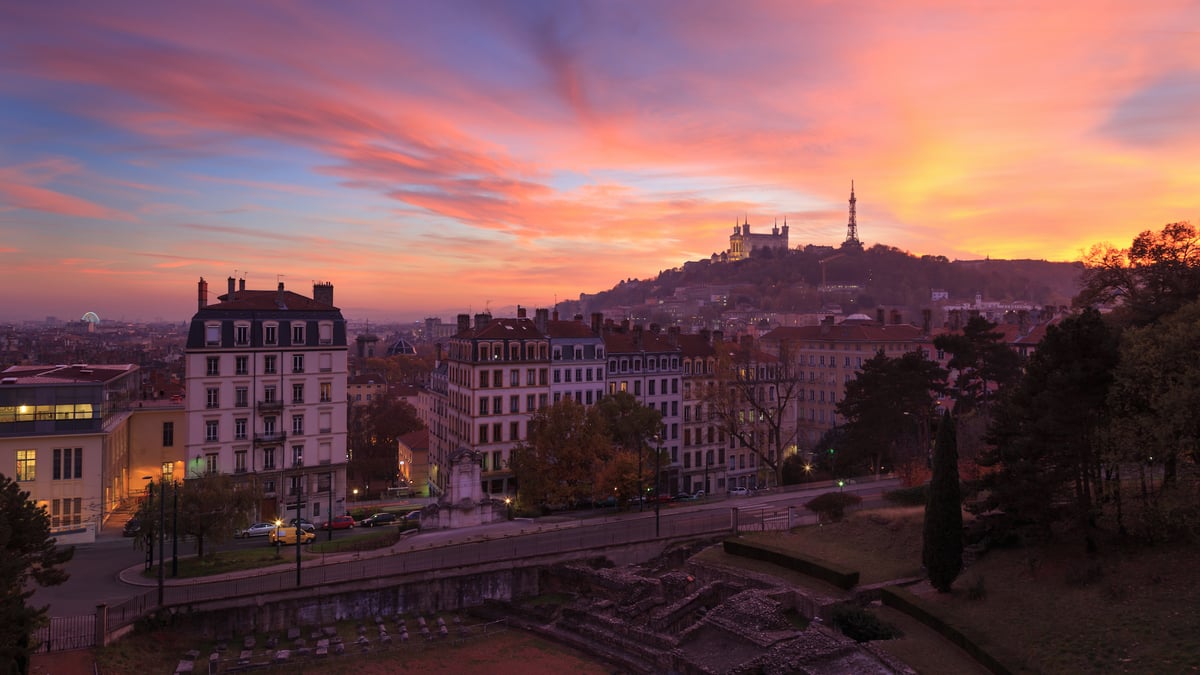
(256, 530)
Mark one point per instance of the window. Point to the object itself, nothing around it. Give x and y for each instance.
(325, 362)
(483, 406)
(497, 405)
(298, 392)
(68, 463)
(241, 334)
(241, 365)
(212, 334)
(298, 425)
(326, 392)
(326, 332)
(297, 455)
(213, 397)
(514, 431)
(210, 462)
(211, 430)
(297, 334)
(297, 363)
(239, 461)
(168, 434)
(269, 394)
(293, 485)
(483, 379)
(241, 397)
(269, 364)
(514, 404)
(26, 465)
(213, 365)
(650, 388)
(269, 460)
(483, 431)
(514, 378)
(270, 334)
(268, 487)
(529, 399)
(497, 460)
(239, 429)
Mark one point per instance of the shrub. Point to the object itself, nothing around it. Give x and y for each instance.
(832, 505)
(912, 496)
(860, 625)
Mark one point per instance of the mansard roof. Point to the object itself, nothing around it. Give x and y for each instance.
(503, 329)
(267, 301)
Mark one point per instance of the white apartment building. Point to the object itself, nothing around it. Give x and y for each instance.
(266, 381)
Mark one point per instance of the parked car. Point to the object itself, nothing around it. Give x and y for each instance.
(132, 527)
(287, 536)
(413, 515)
(378, 519)
(698, 494)
(682, 497)
(339, 523)
(305, 524)
(739, 491)
(256, 530)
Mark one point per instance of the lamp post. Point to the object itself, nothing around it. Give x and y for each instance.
(329, 512)
(162, 526)
(174, 528)
(641, 492)
(299, 529)
(150, 538)
(657, 495)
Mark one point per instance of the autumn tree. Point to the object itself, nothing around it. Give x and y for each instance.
(1046, 433)
(888, 408)
(210, 505)
(631, 426)
(558, 461)
(753, 401)
(30, 557)
(942, 542)
(1155, 276)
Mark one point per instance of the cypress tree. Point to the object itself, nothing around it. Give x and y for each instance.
(943, 540)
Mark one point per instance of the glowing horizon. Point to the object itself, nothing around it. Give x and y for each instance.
(430, 159)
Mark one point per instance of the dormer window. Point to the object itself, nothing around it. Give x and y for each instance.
(212, 334)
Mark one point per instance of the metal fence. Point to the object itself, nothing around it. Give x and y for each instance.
(64, 633)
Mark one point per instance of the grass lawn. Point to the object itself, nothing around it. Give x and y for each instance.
(232, 561)
(1055, 609)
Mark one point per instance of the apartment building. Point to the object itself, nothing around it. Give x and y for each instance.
(65, 439)
(497, 376)
(266, 382)
(703, 444)
(827, 356)
(577, 356)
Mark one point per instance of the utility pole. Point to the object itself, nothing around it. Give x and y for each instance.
(174, 528)
(657, 494)
(162, 542)
(299, 497)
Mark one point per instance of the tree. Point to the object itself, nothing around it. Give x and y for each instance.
(29, 555)
(558, 461)
(889, 400)
(630, 426)
(1046, 432)
(1155, 276)
(981, 358)
(753, 401)
(209, 506)
(1156, 392)
(942, 548)
(375, 431)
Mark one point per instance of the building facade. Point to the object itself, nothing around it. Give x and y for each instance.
(65, 439)
(266, 397)
(742, 242)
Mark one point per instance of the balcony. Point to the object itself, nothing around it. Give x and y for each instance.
(270, 406)
(275, 438)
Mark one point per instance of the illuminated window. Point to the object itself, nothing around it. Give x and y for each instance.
(326, 392)
(26, 465)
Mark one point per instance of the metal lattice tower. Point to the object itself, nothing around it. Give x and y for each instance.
(852, 226)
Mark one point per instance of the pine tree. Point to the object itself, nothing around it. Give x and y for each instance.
(943, 543)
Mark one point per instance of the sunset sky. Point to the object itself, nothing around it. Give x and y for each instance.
(436, 157)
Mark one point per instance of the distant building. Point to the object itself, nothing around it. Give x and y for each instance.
(266, 396)
(742, 243)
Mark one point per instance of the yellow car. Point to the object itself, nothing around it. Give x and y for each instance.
(287, 536)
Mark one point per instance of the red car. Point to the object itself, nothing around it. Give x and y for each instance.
(339, 523)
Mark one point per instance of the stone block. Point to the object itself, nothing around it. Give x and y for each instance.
(329, 631)
(293, 633)
(185, 666)
(281, 656)
(248, 642)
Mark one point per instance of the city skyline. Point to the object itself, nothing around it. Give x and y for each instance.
(431, 159)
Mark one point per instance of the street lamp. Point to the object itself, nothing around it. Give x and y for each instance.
(162, 523)
(657, 494)
(150, 539)
(174, 528)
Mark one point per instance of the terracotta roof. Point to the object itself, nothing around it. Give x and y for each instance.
(416, 440)
(851, 333)
(694, 345)
(503, 329)
(624, 343)
(569, 329)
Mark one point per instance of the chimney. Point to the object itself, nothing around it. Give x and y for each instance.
(481, 320)
(706, 336)
(597, 321)
(541, 319)
(673, 335)
(926, 321)
(464, 322)
(323, 293)
(879, 315)
(718, 336)
(279, 297)
(520, 312)
(231, 294)
(637, 335)
(202, 294)
(241, 285)
(746, 342)
(895, 316)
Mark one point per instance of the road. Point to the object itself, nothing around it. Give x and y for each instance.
(95, 568)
